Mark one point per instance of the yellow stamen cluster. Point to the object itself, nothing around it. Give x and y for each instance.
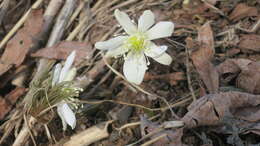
(136, 43)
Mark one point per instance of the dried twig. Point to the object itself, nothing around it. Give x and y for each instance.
(168, 107)
(4, 7)
(135, 123)
(254, 28)
(19, 24)
(24, 133)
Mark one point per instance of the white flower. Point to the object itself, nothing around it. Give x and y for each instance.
(61, 74)
(138, 45)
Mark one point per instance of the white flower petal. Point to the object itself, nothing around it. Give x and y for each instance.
(71, 74)
(56, 74)
(164, 58)
(124, 20)
(155, 51)
(111, 43)
(134, 68)
(64, 124)
(67, 66)
(160, 30)
(66, 114)
(145, 21)
(116, 52)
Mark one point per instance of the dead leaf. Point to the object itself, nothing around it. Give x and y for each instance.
(250, 42)
(63, 49)
(5, 107)
(172, 138)
(172, 78)
(249, 78)
(121, 113)
(9, 100)
(201, 58)
(18, 47)
(13, 96)
(232, 51)
(241, 11)
(230, 68)
(90, 135)
(213, 108)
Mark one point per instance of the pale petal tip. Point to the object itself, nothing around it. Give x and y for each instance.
(161, 30)
(148, 12)
(170, 26)
(72, 54)
(73, 124)
(117, 12)
(164, 59)
(134, 68)
(67, 116)
(133, 80)
(98, 45)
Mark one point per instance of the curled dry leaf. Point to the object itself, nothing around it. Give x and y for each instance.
(249, 78)
(213, 108)
(246, 71)
(18, 47)
(173, 137)
(90, 135)
(230, 68)
(9, 100)
(202, 58)
(63, 49)
(241, 11)
(250, 42)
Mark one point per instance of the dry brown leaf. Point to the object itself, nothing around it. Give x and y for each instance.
(173, 137)
(63, 49)
(213, 108)
(246, 71)
(241, 11)
(5, 107)
(172, 78)
(230, 68)
(9, 100)
(250, 42)
(249, 78)
(18, 47)
(201, 58)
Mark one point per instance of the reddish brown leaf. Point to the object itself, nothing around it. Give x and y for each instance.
(10, 99)
(5, 107)
(15, 94)
(233, 65)
(201, 58)
(63, 49)
(173, 137)
(18, 47)
(249, 78)
(232, 51)
(250, 42)
(231, 68)
(211, 109)
(241, 11)
(172, 78)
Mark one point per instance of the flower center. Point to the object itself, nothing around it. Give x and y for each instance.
(136, 43)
